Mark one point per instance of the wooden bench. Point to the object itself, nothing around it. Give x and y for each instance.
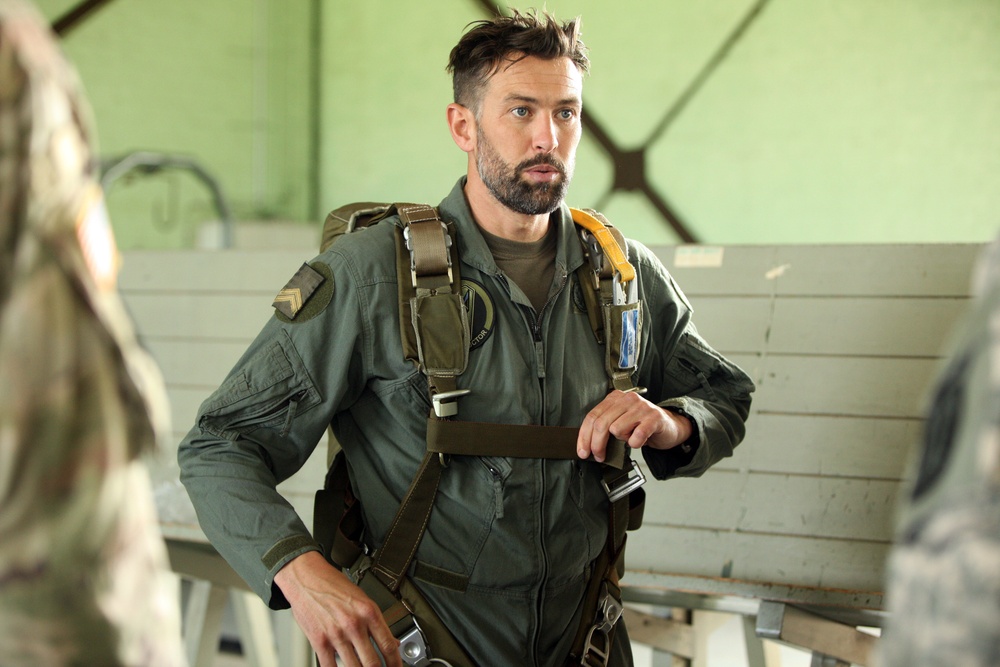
(843, 342)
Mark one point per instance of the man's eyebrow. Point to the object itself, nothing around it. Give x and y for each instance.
(567, 101)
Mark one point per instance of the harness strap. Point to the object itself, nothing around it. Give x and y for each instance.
(513, 440)
(404, 535)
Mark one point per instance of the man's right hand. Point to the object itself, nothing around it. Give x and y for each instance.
(338, 618)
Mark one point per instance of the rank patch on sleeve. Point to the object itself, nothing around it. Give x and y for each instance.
(306, 294)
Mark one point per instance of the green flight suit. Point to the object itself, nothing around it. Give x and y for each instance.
(510, 542)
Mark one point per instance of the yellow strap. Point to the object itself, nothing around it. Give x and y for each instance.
(611, 248)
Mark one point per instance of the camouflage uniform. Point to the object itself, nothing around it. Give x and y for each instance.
(82, 564)
(944, 573)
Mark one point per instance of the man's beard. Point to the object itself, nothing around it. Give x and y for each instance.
(506, 184)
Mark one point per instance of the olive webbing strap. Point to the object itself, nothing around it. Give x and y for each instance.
(513, 440)
(429, 250)
(400, 544)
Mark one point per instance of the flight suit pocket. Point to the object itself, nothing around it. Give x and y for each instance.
(697, 369)
(266, 392)
(469, 504)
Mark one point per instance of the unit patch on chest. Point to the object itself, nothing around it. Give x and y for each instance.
(482, 315)
(306, 295)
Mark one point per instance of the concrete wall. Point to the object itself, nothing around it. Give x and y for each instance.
(826, 121)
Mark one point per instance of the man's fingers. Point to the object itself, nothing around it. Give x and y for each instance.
(623, 415)
(388, 646)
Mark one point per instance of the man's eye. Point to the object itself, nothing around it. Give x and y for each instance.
(520, 112)
(567, 114)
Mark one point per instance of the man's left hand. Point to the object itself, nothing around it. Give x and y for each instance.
(628, 416)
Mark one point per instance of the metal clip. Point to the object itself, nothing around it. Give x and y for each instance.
(621, 297)
(594, 251)
(597, 647)
(413, 647)
(628, 481)
(446, 403)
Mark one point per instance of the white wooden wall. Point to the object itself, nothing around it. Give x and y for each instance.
(842, 341)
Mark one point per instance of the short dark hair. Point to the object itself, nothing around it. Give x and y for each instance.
(482, 49)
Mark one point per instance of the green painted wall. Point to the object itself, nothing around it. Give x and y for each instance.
(829, 121)
(222, 82)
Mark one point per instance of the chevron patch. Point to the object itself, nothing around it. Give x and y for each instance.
(300, 289)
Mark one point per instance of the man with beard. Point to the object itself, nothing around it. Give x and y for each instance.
(512, 541)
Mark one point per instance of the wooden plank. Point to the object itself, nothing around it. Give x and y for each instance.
(765, 559)
(826, 445)
(894, 327)
(836, 270)
(851, 326)
(200, 316)
(789, 505)
(739, 596)
(790, 625)
(193, 362)
(861, 387)
(240, 271)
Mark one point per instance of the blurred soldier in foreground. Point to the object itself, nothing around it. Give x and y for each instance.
(944, 574)
(83, 577)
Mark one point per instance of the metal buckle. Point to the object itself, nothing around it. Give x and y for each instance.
(446, 403)
(609, 610)
(413, 647)
(413, 256)
(590, 649)
(628, 481)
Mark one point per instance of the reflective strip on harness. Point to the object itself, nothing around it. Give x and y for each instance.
(513, 440)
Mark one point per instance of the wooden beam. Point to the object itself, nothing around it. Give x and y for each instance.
(662, 634)
(836, 641)
(75, 16)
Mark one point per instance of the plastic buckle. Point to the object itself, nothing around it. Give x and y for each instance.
(446, 403)
(627, 482)
(413, 647)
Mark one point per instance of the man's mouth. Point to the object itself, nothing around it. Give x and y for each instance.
(543, 173)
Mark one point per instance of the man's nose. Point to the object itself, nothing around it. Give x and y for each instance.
(545, 137)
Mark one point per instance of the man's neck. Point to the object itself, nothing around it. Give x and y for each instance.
(499, 220)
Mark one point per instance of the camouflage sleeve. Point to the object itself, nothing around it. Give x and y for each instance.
(944, 571)
(83, 576)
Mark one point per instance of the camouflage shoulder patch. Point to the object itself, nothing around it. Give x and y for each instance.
(306, 295)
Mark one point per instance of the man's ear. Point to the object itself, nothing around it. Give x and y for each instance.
(462, 123)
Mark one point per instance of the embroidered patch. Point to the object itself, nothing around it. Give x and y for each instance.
(482, 316)
(306, 294)
(579, 302)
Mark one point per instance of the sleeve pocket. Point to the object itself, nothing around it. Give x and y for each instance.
(266, 392)
(693, 365)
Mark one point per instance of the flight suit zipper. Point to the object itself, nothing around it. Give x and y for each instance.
(534, 322)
